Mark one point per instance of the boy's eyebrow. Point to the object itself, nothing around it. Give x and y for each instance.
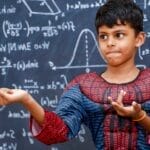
(115, 31)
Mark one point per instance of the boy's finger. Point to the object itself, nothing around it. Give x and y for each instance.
(4, 95)
(136, 106)
(117, 106)
(6, 90)
(120, 97)
(110, 99)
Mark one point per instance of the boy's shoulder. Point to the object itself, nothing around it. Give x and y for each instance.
(85, 78)
(145, 73)
(147, 70)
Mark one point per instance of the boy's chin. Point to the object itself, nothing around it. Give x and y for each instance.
(115, 63)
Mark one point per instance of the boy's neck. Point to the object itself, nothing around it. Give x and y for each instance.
(120, 75)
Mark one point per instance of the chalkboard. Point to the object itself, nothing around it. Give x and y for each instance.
(43, 45)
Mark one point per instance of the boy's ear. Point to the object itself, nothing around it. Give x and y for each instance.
(140, 39)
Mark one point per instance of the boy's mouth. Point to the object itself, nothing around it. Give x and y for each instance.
(113, 53)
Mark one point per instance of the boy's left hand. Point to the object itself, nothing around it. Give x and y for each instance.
(125, 111)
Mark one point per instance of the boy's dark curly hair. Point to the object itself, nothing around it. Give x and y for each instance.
(124, 11)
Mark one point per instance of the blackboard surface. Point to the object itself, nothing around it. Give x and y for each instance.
(43, 45)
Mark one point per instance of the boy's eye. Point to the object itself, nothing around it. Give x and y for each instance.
(120, 35)
(103, 37)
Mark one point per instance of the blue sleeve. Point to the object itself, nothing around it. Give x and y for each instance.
(71, 110)
(146, 107)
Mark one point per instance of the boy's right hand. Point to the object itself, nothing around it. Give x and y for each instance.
(8, 96)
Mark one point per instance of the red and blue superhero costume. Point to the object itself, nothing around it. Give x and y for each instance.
(85, 100)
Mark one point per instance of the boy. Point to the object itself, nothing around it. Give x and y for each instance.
(115, 104)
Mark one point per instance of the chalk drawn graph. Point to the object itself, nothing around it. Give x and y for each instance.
(41, 7)
(86, 34)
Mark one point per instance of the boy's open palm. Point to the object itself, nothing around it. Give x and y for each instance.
(8, 96)
(125, 111)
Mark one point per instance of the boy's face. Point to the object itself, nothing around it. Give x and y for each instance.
(118, 45)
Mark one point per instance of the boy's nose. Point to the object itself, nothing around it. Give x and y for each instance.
(111, 41)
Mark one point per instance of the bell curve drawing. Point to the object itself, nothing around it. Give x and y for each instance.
(87, 35)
